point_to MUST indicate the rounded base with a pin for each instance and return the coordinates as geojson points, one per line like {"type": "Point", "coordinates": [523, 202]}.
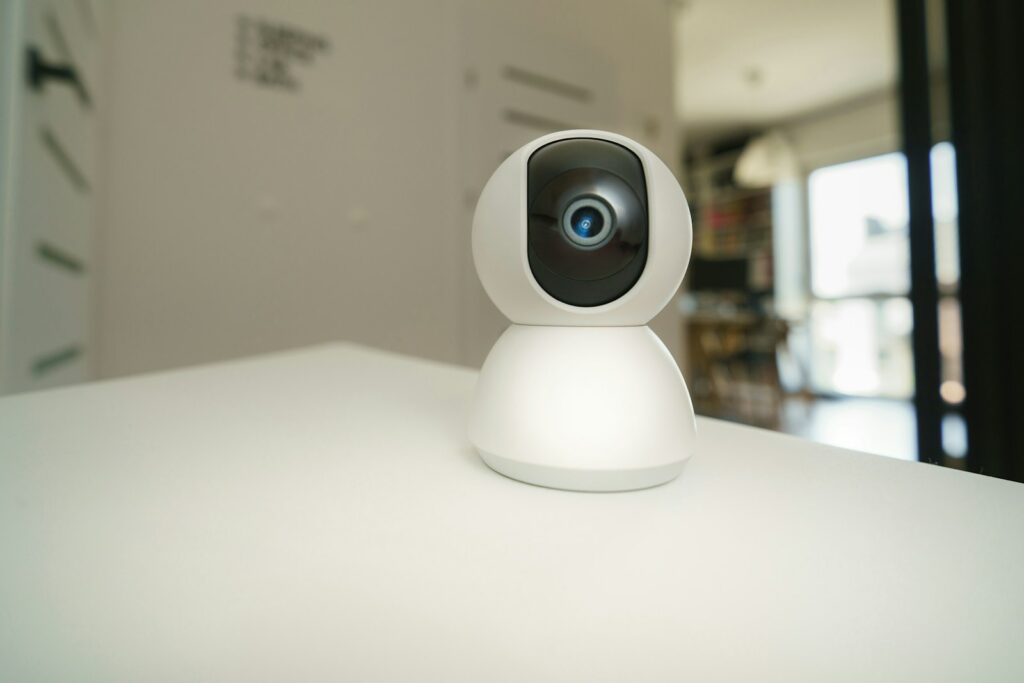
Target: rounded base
{"type": "Point", "coordinates": [580, 479]}
{"type": "Point", "coordinates": [582, 408]}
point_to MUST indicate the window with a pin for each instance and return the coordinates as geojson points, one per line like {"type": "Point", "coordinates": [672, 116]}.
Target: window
{"type": "Point", "coordinates": [945, 212]}
{"type": "Point", "coordinates": [861, 318]}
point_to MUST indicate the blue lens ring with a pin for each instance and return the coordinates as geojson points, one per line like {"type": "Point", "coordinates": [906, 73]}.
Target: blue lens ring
{"type": "Point", "coordinates": [587, 222]}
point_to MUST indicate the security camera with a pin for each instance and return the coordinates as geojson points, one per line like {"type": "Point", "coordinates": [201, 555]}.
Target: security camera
{"type": "Point", "coordinates": [580, 238]}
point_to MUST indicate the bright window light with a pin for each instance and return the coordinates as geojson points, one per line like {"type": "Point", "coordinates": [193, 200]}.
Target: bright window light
{"type": "Point", "coordinates": [945, 214]}
{"type": "Point", "coordinates": [861, 320]}
{"type": "Point", "coordinates": [858, 221]}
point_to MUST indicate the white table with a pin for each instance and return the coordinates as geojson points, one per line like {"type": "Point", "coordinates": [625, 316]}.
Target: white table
{"type": "Point", "coordinates": [318, 515]}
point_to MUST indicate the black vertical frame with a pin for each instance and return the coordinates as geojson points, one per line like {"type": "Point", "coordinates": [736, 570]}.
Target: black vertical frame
{"type": "Point", "coordinates": [915, 117]}
{"type": "Point", "coordinates": [986, 75]}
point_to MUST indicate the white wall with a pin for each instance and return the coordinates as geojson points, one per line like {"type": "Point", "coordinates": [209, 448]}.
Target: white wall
{"type": "Point", "coordinates": [853, 130]}
{"type": "Point", "coordinates": [860, 128]}
{"type": "Point", "coordinates": [48, 178]}
{"type": "Point", "coordinates": [239, 219]}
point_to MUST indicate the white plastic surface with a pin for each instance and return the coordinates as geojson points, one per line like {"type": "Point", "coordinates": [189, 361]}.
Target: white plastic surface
{"type": "Point", "coordinates": [499, 244]}
{"type": "Point", "coordinates": [320, 516]}
{"type": "Point", "coordinates": [584, 408]}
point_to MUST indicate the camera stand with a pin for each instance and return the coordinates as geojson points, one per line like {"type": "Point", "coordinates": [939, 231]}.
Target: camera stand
{"type": "Point", "coordinates": [583, 408]}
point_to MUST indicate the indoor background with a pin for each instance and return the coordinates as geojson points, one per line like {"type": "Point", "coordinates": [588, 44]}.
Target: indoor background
{"type": "Point", "coordinates": [188, 182]}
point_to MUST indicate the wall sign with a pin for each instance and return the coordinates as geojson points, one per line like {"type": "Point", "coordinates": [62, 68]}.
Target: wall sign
{"type": "Point", "coordinates": [271, 54]}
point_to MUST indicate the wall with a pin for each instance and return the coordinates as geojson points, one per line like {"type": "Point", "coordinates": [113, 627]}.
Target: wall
{"type": "Point", "coordinates": [240, 219]}
{"type": "Point", "coordinates": [859, 128]}
{"type": "Point", "coordinates": [853, 130]}
{"type": "Point", "coordinates": [48, 178]}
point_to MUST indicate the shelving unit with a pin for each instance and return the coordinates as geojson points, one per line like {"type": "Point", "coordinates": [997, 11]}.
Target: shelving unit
{"type": "Point", "coordinates": [732, 332]}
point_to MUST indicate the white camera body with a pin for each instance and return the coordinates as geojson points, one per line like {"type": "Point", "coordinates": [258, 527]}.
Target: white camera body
{"type": "Point", "coordinates": [580, 238]}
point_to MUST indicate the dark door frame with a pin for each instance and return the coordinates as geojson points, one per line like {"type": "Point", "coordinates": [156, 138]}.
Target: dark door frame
{"type": "Point", "coordinates": [915, 117]}
{"type": "Point", "coordinates": [986, 63]}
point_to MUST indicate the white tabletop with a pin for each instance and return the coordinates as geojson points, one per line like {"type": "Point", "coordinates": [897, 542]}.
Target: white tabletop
{"type": "Point", "coordinates": [319, 515]}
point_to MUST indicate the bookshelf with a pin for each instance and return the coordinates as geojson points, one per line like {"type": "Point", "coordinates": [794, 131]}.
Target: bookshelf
{"type": "Point", "coordinates": [733, 334]}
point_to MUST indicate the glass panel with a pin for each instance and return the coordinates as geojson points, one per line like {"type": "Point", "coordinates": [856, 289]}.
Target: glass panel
{"type": "Point", "coordinates": [945, 212]}
{"type": "Point", "coordinates": [951, 350]}
{"type": "Point", "coordinates": [862, 347]}
{"type": "Point", "coordinates": [858, 226]}
{"type": "Point", "coordinates": [954, 435]}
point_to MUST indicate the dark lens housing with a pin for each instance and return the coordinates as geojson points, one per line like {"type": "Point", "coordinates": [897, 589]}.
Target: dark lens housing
{"type": "Point", "coordinates": [564, 179]}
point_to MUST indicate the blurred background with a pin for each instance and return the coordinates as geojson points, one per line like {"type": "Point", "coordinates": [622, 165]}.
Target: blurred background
{"type": "Point", "coordinates": [186, 182]}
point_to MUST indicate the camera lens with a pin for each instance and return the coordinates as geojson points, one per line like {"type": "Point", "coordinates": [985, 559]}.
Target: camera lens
{"type": "Point", "coordinates": [587, 222]}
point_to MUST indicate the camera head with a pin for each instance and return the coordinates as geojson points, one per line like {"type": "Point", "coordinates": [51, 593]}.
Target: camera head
{"type": "Point", "coordinates": [581, 228]}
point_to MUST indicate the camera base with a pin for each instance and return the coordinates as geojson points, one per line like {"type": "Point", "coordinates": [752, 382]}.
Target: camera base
{"type": "Point", "coordinates": [581, 479]}
{"type": "Point", "coordinates": [582, 408]}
